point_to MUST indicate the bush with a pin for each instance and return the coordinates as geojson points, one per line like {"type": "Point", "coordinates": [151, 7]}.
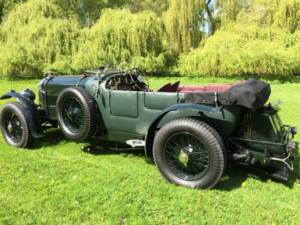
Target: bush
{"type": "Point", "coordinates": [257, 37]}
{"type": "Point", "coordinates": [121, 38]}
{"type": "Point", "coordinates": [35, 39]}
{"type": "Point", "coordinates": [227, 54]}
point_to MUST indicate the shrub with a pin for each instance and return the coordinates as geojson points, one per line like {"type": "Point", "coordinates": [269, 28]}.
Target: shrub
{"type": "Point", "coordinates": [36, 38]}
{"type": "Point", "coordinates": [121, 38]}
{"type": "Point", "coordinates": [227, 54]}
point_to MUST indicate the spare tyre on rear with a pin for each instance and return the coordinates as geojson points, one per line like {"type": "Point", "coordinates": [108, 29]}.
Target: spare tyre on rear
{"type": "Point", "coordinates": [76, 114]}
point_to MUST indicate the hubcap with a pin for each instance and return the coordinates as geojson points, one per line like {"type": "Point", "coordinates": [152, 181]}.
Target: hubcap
{"type": "Point", "coordinates": [186, 156]}
{"type": "Point", "coordinates": [183, 158]}
{"type": "Point", "coordinates": [9, 127]}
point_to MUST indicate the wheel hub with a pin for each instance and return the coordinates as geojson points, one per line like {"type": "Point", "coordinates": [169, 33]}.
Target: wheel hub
{"type": "Point", "coordinates": [10, 128]}
{"type": "Point", "coordinates": [186, 156]}
{"type": "Point", "coordinates": [183, 158]}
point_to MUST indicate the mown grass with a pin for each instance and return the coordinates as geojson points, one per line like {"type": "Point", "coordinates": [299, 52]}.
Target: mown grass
{"type": "Point", "coordinates": [58, 183]}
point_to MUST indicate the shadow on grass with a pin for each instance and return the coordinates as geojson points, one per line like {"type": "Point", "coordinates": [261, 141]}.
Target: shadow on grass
{"type": "Point", "coordinates": [51, 138]}
{"type": "Point", "coordinates": [235, 175]}
{"type": "Point", "coordinates": [296, 173]}
{"type": "Point", "coordinates": [107, 148]}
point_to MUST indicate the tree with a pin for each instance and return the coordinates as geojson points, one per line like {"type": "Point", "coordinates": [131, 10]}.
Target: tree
{"type": "Point", "coordinates": [1, 10]}
{"type": "Point", "coordinates": [123, 39]}
{"type": "Point", "coordinates": [279, 13]}
{"type": "Point", "coordinates": [183, 21]}
{"type": "Point", "coordinates": [288, 15]}
{"type": "Point", "coordinates": [36, 37]}
{"type": "Point", "coordinates": [89, 11]}
{"type": "Point", "coordinates": [157, 6]}
{"type": "Point", "coordinates": [210, 16]}
{"type": "Point", "coordinates": [260, 37]}
{"type": "Point", "coordinates": [6, 6]}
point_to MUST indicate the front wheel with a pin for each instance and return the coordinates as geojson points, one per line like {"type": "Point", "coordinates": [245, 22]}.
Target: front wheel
{"type": "Point", "coordinates": [189, 153]}
{"type": "Point", "coordinates": [14, 125]}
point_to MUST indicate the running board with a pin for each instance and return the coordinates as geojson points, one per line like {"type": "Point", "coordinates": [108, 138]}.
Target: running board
{"type": "Point", "coordinates": [136, 143]}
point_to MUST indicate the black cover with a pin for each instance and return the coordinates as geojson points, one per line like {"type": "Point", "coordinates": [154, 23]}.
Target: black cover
{"type": "Point", "coordinates": [251, 94]}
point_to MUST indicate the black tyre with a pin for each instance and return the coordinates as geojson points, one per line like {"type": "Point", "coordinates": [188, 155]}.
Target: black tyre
{"type": "Point", "coordinates": [76, 114]}
{"type": "Point", "coordinates": [189, 153]}
{"type": "Point", "coordinates": [14, 125]}
{"type": "Point", "coordinates": [220, 140]}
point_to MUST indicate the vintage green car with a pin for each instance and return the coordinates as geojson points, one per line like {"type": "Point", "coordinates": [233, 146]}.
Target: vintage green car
{"type": "Point", "coordinates": [191, 132]}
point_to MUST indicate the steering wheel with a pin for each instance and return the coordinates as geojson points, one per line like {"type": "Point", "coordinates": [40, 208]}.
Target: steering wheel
{"type": "Point", "coordinates": [138, 72]}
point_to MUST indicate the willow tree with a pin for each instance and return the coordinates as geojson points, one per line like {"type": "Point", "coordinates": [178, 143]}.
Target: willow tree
{"type": "Point", "coordinates": [157, 6]}
{"type": "Point", "coordinates": [122, 38]}
{"type": "Point", "coordinates": [7, 5]}
{"type": "Point", "coordinates": [260, 39]}
{"type": "Point", "coordinates": [284, 14]}
{"type": "Point", "coordinates": [228, 10]}
{"type": "Point", "coordinates": [231, 54]}
{"type": "Point", "coordinates": [183, 22]}
{"type": "Point", "coordinates": [36, 38]}
{"type": "Point", "coordinates": [1, 10]}
{"type": "Point", "coordinates": [288, 15]}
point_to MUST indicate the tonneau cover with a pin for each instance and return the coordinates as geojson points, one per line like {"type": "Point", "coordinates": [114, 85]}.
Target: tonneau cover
{"type": "Point", "coordinates": [251, 94]}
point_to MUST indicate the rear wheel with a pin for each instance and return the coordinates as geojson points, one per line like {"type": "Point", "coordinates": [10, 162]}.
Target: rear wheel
{"type": "Point", "coordinates": [14, 125]}
{"type": "Point", "coordinates": [189, 153]}
{"type": "Point", "coordinates": [76, 114]}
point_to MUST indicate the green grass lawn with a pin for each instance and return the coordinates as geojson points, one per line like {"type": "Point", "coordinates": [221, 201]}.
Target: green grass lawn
{"type": "Point", "coordinates": [57, 183]}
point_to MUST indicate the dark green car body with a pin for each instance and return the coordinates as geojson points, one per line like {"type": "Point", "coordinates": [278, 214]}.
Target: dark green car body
{"type": "Point", "coordinates": [252, 137]}
{"type": "Point", "coordinates": [130, 114]}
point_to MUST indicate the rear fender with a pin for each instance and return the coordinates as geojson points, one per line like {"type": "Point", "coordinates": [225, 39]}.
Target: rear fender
{"type": "Point", "coordinates": [32, 115]}
{"type": "Point", "coordinates": [184, 110]}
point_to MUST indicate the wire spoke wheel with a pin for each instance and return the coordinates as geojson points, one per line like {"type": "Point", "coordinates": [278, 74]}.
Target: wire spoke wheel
{"type": "Point", "coordinates": [13, 127]}
{"type": "Point", "coordinates": [186, 156]}
{"type": "Point", "coordinates": [72, 114]}
{"type": "Point", "coordinates": [190, 153]}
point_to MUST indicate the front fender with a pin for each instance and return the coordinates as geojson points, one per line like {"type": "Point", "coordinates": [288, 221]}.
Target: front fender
{"type": "Point", "coordinates": [32, 115]}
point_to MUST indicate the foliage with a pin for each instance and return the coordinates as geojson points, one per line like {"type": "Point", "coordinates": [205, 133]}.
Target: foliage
{"type": "Point", "coordinates": [289, 15]}
{"type": "Point", "coordinates": [36, 38]}
{"type": "Point", "coordinates": [182, 21]}
{"type": "Point", "coordinates": [73, 35]}
{"type": "Point", "coordinates": [121, 38]}
{"type": "Point", "coordinates": [157, 6]}
{"type": "Point", "coordinates": [254, 39]}
{"type": "Point", "coordinates": [248, 52]}
{"type": "Point", "coordinates": [229, 9]}
{"type": "Point", "coordinates": [88, 11]}
{"type": "Point", "coordinates": [7, 5]}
